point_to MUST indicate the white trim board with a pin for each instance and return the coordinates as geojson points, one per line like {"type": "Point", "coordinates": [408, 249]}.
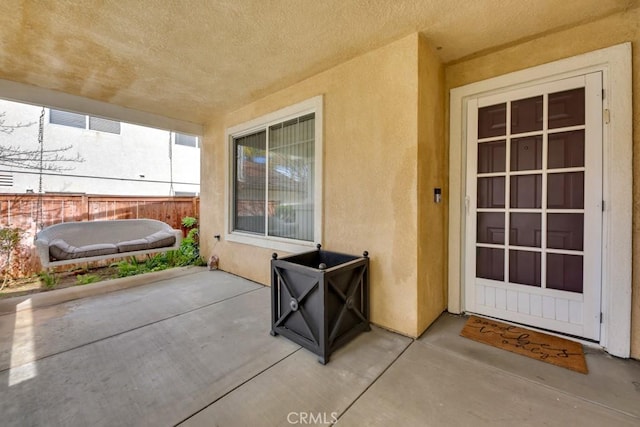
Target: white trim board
{"type": "Point", "coordinates": [615, 65]}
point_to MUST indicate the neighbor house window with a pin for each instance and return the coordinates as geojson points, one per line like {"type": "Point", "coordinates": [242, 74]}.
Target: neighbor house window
{"type": "Point", "coordinates": [104, 125]}
{"type": "Point", "coordinates": [65, 118]}
{"type": "Point", "coordinates": [188, 140]}
{"type": "Point", "coordinates": [275, 178]}
{"type": "Point", "coordinates": [82, 121]}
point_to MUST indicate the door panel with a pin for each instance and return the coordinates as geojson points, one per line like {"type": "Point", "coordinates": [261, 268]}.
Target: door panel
{"type": "Point", "coordinates": [541, 146]}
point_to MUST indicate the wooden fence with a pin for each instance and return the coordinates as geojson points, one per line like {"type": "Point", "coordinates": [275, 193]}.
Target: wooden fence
{"type": "Point", "coordinates": [30, 212]}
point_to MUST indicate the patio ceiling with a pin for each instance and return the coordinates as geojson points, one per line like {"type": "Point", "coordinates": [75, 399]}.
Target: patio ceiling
{"type": "Point", "coordinates": [193, 59]}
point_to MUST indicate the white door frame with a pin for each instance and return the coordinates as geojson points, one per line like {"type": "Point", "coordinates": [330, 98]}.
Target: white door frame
{"type": "Point", "coordinates": [615, 65]}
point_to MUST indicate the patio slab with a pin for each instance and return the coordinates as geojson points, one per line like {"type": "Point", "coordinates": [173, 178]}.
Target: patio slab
{"type": "Point", "coordinates": [196, 350]}
{"type": "Point", "coordinates": [298, 387]}
{"type": "Point", "coordinates": [430, 386]}
{"type": "Point", "coordinates": [157, 374]}
{"type": "Point", "coordinates": [29, 335]}
{"type": "Point", "coordinates": [612, 382]}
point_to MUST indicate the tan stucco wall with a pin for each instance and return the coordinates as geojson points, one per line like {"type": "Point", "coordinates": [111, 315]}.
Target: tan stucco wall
{"type": "Point", "coordinates": [612, 30]}
{"type": "Point", "coordinates": [432, 173]}
{"type": "Point", "coordinates": [370, 176]}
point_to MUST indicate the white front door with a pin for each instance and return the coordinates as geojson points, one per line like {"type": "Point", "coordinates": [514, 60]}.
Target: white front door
{"type": "Point", "coordinates": [534, 205]}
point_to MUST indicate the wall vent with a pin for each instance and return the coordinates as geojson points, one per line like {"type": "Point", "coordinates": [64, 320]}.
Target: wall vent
{"type": "Point", "coordinates": [6, 179]}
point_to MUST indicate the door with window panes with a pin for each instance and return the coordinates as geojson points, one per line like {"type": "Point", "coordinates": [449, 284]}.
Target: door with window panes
{"type": "Point", "coordinates": [534, 205]}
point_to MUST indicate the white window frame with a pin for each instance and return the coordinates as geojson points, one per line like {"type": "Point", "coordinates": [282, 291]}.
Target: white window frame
{"type": "Point", "coordinates": [615, 65]}
{"type": "Point", "coordinates": [312, 105]}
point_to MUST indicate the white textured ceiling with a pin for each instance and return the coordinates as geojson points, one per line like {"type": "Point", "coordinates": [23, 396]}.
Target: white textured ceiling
{"type": "Point", "coordinates": [192, 59]}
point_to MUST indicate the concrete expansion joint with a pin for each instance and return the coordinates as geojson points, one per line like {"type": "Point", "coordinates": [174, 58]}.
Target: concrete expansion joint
{"type": "Point", "coordinates": [375, 380]}
{"type": "Point", "coordinates": [242, 383]}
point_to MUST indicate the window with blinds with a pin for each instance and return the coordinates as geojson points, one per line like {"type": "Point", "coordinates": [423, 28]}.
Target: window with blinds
{"type": "Point", "coordinates": [66, 118]}
{"type": "Point", "coordinates": [104, 125]}
{"type": "Point", "coordinates": [274, 180]}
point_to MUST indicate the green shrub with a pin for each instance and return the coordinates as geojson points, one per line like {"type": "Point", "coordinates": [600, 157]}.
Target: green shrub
{"type": "Point", "coordinates": [48, 280]}
{"type": "Point", "coordinates": [189, 251]}
{"type": "Point", "coordinates": [189, 222]}
{"type": "Point", "coordinates": [172, 258]}
{"type": "Point", "coordinates": [187, 254]}
{"type": "Point", "coordinates": [128, 267]}
{"type": "Point", "coordinates": [156, 263]}
{"type": "Point", "coordinates": [85, 279]}
{"type": "Point", "coordinates": [9, 242]}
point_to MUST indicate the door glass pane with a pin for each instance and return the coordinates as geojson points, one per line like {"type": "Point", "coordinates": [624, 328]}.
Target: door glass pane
{"type": "Point", "coordinates": [566, 149]}
{"type": "Point", "coordinates": [526, 191]}
{"type": "Point", "coordinates": [565, 231]}
{"type": "Point", "coordinates": [565, 190]}
{"type": "Point", "coordinates": [566, 108]}
{"type": "Point", "coordinates": [524, 267]}
{"type": "Point", "coordinates": [564, 272]}
{"type": "Point", "coordinates": [492, 121]}
{"type": "Point", "coordinates": [491, 157]}
{"type": "Point", "coordinates": [491, 192]}
{"type": "Point", "coordinates": [490, 263]}
{"type": "Point", "coordinates": [526, 153]}
{"type": "Point", "coordinates": [490, 227]}
{"type": "Point", "coordinates": [526, 115]}
{"type": "Point", "coordinates": [525, 229]}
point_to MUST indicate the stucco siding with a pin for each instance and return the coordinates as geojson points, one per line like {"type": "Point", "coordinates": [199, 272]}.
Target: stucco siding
{"type": "Point", "coordinates": [432, 173]}
{"type": "Point", "coordinates": [370, 175]}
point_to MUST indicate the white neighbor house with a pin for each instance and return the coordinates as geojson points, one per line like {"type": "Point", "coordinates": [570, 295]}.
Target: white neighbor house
{"type": "Point", "coordinates": [119, 158]}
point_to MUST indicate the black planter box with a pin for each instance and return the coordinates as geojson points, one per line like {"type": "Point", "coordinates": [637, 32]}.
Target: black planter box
{"type": "Point", "coordinates": [320, 299]}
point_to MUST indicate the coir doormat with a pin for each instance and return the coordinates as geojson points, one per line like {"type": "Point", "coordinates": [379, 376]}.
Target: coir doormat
{"type": "Point", "coordinates": [547, 348]}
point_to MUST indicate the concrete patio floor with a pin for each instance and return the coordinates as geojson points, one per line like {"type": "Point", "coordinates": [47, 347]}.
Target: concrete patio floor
{"type": "Point", "coordinates": [195, 350]}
